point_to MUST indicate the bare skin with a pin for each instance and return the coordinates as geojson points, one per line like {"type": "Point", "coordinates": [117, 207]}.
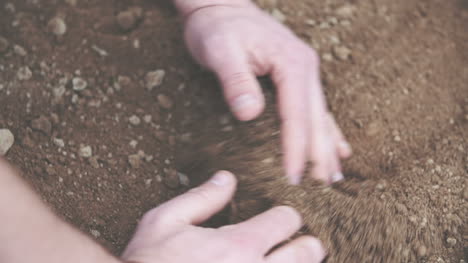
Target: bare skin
{"type": "Point", "coordinates": [238, 41]}
{"type": "Point", "coordinates": [29, 226]}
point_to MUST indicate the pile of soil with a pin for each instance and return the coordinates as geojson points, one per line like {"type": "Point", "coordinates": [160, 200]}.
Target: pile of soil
{"type": "Point", "coordinates": [108, 110]}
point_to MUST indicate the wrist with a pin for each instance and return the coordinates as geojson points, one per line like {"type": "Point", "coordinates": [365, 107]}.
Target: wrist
{"type": "Point", "coordinates": [186, 7]}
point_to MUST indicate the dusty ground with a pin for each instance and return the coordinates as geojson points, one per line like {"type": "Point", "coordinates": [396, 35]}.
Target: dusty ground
{"type": "Point", "coordinates": [395, 71]}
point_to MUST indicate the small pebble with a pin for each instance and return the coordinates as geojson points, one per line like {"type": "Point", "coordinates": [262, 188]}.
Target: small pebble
{"type": "Point", "coordinates": [24, 73]}
{"type": "Point", "coordinates": [79, 84]}
{"type": "Point", "coordinates": [327, 57]}
{"type": "Point", "coordinates": [422, 251]}
{"type": "Point", "coordinates": [184, 180]}
{"type": "Point", "coordinates": [85, 152]}
{"type": "Point", "coordinates": [42, 124]}
{"type": "Point", "coordinates": [154, 78]}
{"type": "Point", "coordinates": [278, 15]}
{"type": "Point", "coordinates": [134, 160]}
{"type": "Point", "coordinates": [4, 44]}
{"type": "Point", "coordinates": [127, 20]}
{"type": "Point", "coordinates": [57, 26]}
{"type": "Point", "coordinates": [95, 233]}
{"type": "Point", "coordinates": [172, 180]}
{"type": "Point", "coordinates": [59, 142]}
{"type": "Point", "coordinates": [6, 141]}
{"type": "Point", "coordinates": [19, 50]}
{"type": "Point", "coordinates": [451, 241]}
{"type": "Point", "coordinates": [343, 53]}
{"type": "Point", "coordinates": [165, 102]}
{"type": "Point", "coordinates": [147, 118]}
{"type": "Point", "coordinates": [346, 11]}
{"type": "Point", "coordinates": [134, 120]}
{"type": "Point", "coordinates": [93, 161]}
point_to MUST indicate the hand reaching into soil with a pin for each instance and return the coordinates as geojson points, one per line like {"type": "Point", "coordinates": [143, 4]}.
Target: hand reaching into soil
{"type": "Point", "coordinates": [168, 233]}
{"type": "Point", "coordinates": [238, 41]}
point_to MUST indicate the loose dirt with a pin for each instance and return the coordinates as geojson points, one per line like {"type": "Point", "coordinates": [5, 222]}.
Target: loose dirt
{"type": "Point", "coordinates": [111, 117]}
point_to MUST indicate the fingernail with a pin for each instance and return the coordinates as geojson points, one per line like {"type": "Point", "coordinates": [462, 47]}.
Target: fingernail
{"type": "Point", "coordinates": [294, 180]}
{"type": "Point", "coordinates": [244, 101]}
{"type": "Point", "coordinates": [336, 177]}
{"type": "Point", "coordinates": [221, 178]}
{"type": "Point", "coordinates": [345, 145]}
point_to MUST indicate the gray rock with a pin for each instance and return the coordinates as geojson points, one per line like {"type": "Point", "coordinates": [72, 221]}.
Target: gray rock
{"type": "Point", "coordinates": [6, 141]}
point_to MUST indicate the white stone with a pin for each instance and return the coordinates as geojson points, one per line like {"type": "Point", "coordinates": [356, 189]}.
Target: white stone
{"type": "Point", "coordinates": [154, 78]}
{"type": "Point", "coordinates": [86, 151]}
{"type": "Point", "coordinates": [79, 84]}
{"type": "Point", "coordinates": [6, 141]}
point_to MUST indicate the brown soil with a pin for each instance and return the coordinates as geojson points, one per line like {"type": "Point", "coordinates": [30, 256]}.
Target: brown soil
{"type": "Point", "coordinates": [400, 98]}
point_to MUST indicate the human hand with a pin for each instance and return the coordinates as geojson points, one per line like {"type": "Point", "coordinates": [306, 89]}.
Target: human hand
{"type": "Point", "coordinates": [238, 41]}
{"type": "Point", "coordinates": [168, 233]}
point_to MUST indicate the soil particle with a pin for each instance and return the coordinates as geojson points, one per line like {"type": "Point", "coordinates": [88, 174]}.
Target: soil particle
{"type": "Point", "coordinates": [183, 179]}
{"type": "Point", "coordinates": [6, 141]}
{"type": "Point", "coordinates": [4, 44]}
{"type": "Point", "coordinates": [165, 101]}
{"type": "Point", "coordinates": [57, 26]}
{"type": "Point", "coordinates": [134, 120]}
{"type": "Point", "coordinates": [127, 20]}
{"type": "Point", "coordinates": [94, 162]}
{"type": "Point", "coordinates": [42, 124]}
{"type": "Point", "coordinates": [422, 251]}
{"type": "Point", "coordinates": [24, 73]}
{"type": "Point", "coordinates": [451, 242]}
{"type": "Point", "coordinates": [134, 160]}
{"type": "Point", "coordinates": [20, 51]}
{"type": "Point", "coordinates": [341, 52]}
{"type": "Point", "coordinates": [59, 142]}
{"type": "Point", "coordinates": [154, 78]}
{"type": "Point", "coordinates": [346, 11]}
{"type": "Point", "coordinates": [79, 84]}
{"type": "Point", "coordinates": [171, 179]}
{"type": "Point", "coordinates": [85, 151]}
{"type": "Point", "coordinates": [95, 233]}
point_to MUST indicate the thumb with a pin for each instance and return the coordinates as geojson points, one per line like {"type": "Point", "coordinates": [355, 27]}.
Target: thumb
{"type": "Point", "coordinates": [198, 204]}
{"type": "Point", "coordinates": [241, 88]}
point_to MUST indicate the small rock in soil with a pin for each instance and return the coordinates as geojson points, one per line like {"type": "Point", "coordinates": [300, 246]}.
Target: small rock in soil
{"type": "Point", "coordinates": [327, 57]}
{"type": "Point", "coordinates": [42, 124]}
{"type": "Point", "coordinates": [57, 26]}
{"type": "Point", "coordinates": [6, 141]}
{"type": "Point", "coordinates": [165, 102]}
{"type": "Point", "coordinates": [24, 73]}
{"type": "Point", "coordinates": [19, 50]}
{"type": "Point", "coordinates": [154, 78]}
{"type": "Point", "coordinates": [422, 251]}
{"type": "Point", "coordinates": [172, 180]}
{"type": "Point", "coordinates": [127, 20]}
{"type": "Point", "coordinates": [346, 11]}
{"type": "Point", "coordinates": [183, 179]}
{"type": "Point", "coordinates": [4, 44]}
{"type": "Point", "coordinates": [95, 233]}
{"type": "Point", "coordinates": [451, 242]}
{"type": "Point", "coordinates": [79, 84]}
{"type": "Point", "coordinates": [134, 160]}
{"type": "Point", "coordinates": [134, 120]}
{"type": "Point", "coordinates": [85, 151]}
{"type": "Point", "coordinates": [278, 15]}
{"type": "Point", "coordinates": [342, 53]}
{"type": "Point", "coordinates": [59, 142]}
{"type": "Point", "coordinates": [93, 161]}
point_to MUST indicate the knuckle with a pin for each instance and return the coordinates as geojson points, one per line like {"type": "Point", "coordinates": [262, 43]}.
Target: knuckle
{"type": "Point", "coordinates": [237, 79]}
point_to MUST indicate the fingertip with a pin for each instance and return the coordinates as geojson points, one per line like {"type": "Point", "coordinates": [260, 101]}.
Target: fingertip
{"type": "Point", "coordinates": [223, 178]}
{"type": "Point", "coordinates": [247, 107]}
{"type": "Point", "coordinates": [315, 247]}
{"type": "Point", "coordinates": [344, 150]}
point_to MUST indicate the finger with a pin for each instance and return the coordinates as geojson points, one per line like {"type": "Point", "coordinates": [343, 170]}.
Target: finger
{"type": "Point", "coordinates": [302, 250]}
{"type": "Point", "coordinates": [321, 150]}
{"type": "Point", "coordinates": [342, 146]}
{"type": "Point", "coordinates": [271, 227]}
{"type": "Point", "coordinates": [241, 88]}
{"type": "Point", "coordinates": [198, 204]}
{"type": "Point", "coordinates": [291, 81]}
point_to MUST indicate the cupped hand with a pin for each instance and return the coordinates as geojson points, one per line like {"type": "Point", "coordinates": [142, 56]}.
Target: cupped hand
{"type": "Point", "coordinates": [168, 233]}
{"type": "Point", "coordinates": [238, 41]}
